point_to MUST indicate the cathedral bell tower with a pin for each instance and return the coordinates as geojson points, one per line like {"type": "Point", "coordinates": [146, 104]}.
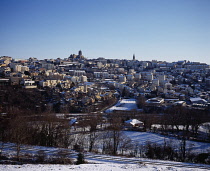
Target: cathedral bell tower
{"type": "Point", "coordinates": [134, 58]}
{"type": "Point", "coordinates": [80, 53]}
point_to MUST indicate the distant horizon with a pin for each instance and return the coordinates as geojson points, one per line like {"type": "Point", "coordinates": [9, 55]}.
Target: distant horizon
{"type": "Point", "coordinates": [160, 30]}
{"type": "Point", "coordinates": [107, 59]}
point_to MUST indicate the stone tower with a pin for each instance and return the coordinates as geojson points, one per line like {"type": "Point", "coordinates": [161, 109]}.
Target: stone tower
{"type": "Point", "coordinates": [80, 53]}
{"type": "Point", "coordinates": [134, 58]}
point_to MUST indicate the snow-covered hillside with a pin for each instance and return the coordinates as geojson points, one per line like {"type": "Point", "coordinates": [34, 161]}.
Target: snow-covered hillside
{"type": "Point", "coordinates": [143, 137]}
{"type": "Point", "coordinates": [95, 167]}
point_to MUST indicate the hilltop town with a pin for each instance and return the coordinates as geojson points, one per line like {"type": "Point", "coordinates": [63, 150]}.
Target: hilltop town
{"type": "Point", "coordinates": [77, 84]}
{"type": "Point", "coordinates": [99, 105]}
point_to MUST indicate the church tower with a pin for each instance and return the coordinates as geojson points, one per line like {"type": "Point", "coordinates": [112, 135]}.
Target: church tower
{"type": "Point", "coordinates": [80, 53]}
{"type": "Point", "coordinates": [134, 58]}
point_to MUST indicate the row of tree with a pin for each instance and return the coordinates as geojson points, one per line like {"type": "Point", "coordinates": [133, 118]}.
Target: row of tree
{"type": "Point", "coordinates": [93, 133]}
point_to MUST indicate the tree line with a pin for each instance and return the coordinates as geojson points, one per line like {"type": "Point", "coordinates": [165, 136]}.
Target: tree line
{"type": "Point", "coordinates": [23, 124]}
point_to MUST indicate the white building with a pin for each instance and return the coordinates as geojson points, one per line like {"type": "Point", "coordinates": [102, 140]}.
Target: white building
{"type": "Point", "coordinates": [155, 101]}
{"type": "Point", "coordinates": [83, 78]}
{"type": "Point", "coordinates": [155, 82]}
{"type": "Point", "coordinates": [75, 79]}
{"type": "Point", "coordinates": [131, 71]}
{"type": "Point", "coordinates": [122, 78]}
{"type": "Point", "coordinates": [208, 81]}
{"type": "Point", "coordinates": [149, 77]}
{"type": "Point", "coordinates": [134, 123]}
{"type": "Point", "coordinates": [121, 70]}
{"type": "Point", "coordinates": [162, 78]}
{"type": "Point", "coordinates": [28, 83]}
{"type": "Point", "coordinates": [145, 64]}
{"type": "Point", "coordinates": [77, 72]}
{"type": "Point", "coordinates": [137, 76]}
{"type": "Point", "coordinates": [49, 83]}
{"type": "Point", "coordinates": [99, 65]}
{"type": "Point", "coordinates": [130, 77]}
{"type": "Point", "coordinates": [168, 86]}
{"type": "Point", "coordinates": [24, 68]}
{"type": "Point", "coordinates": [15, 67]}
{"type": "Point", "coordinates": [48, 66]}
{"type": "Point", "coordinates": [97, 74]}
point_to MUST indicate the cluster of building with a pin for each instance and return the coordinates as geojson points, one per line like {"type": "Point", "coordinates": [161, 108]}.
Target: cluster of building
{"type": "Point", "coordinates": [161, 82]}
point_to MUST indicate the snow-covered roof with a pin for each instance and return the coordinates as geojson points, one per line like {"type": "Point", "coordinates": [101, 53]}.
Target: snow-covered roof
{"type": "Point", "coordinates": [155, 100]}
{"type": "Point", "coordinates": [73, 121]}
{"type": "Point", "coordinates": [197, 99]}
{"type": "Point", "coordinates": [133, 121]}
{"type": "Point", "coordinates": [124, 104]}
{"type": "Point", "coordinates": [180, 102]}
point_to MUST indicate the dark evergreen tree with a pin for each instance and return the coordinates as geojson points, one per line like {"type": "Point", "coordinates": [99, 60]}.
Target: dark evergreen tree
{"type": "Point", "coordinates": [80, 158]}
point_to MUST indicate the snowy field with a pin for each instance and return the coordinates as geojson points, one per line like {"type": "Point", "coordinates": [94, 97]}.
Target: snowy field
{"type": "Point", "coordinates": [140, 138]}
{"type": "Point", "coordinates": [143, 137]}
{"type": "Point", "coordinates": [99, 162]}
{"type": "Point", "coordinates": [124, 104]}
{"type": "Point", "coordinates": [95, 167]}
{"type": "Point", "coordinates": [111, 163]}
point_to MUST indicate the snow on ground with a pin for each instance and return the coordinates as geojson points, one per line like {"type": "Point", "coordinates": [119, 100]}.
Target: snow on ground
{"type": "Point", "coordinates": [205, 128]}
{"type": "Point", "coordinates": [124, 104]}
{"type": "Point", "coordinates": [202, 129]}
{"type": "Point", "coordinates": [105, 162]}
{"type": "Point", "coordinates": [94, 167]}
{"type": "Point", "coordinates": [143, 137]}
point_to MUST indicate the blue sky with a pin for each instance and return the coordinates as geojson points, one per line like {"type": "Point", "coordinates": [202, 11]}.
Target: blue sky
{"type": "Point", "coordinates": [167, 30]}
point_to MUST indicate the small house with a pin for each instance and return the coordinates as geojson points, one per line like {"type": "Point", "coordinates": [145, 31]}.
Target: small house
{"type": "Point", "coordinates": [134, 123]}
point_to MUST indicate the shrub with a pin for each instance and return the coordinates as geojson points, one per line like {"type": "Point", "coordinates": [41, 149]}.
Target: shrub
{"type": "Point", "coordinates": [80, 158]}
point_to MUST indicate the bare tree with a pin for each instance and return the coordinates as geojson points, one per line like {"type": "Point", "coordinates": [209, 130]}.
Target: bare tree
{"type": "Point", "coordinates": [93, 137]}
{"type": "Point", "coordinates": [125, 144]}
{"type": "Point", "coordinates": [19, 133]}
{"type": "Point", "coordinates": [183, 149]}
{"type": "Point", "coordinates": [3, 132]}
{"type": "Point", "coordinates": [115, 134]}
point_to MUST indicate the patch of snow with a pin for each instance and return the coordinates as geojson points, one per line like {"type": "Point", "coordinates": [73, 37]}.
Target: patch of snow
{"type": "Point", "coordinates": [94, 167]}
{"type": "Point", "coordinates": [133, 121]}
{"type": "Point", "coordinates": [124, 104]}
{"type": "Point", "coordinates": [143, 137]}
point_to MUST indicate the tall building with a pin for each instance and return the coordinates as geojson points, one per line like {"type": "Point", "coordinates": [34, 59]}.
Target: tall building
{"type": "Point", "coordinates": [74, 57]}
{"type": "Point", "coordinates": [134, 58]}
{"type": "Point", "coordinates": [80, 53]}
